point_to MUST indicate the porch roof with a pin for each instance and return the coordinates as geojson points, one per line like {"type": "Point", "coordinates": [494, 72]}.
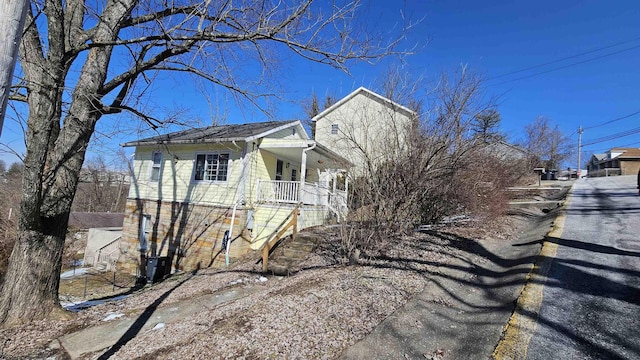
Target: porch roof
{"type": "Point", "coordinates": [318, 157]}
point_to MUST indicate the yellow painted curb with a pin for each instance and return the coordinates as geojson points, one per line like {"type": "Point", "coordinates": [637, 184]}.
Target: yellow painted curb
{"type": "Point", "coordinates": [521, 326]}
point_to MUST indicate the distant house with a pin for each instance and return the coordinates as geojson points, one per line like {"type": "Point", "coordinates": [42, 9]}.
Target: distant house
{"type": "Point", "coordinates": [366, 128]}
{"type": "Point", "coordinates": [103, 176]}
{"type": "Point", "coordinates": [102, 233]}
{"type": "Point", "coordinates": [504, 151]}
{"type": "Point", "coordinates": [617, 161]}
{"type": "Point", "coordinates": [191, 187]}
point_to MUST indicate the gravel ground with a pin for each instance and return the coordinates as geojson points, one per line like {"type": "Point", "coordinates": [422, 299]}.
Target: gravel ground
{"type": "Point", "coordinates": [316, 313]}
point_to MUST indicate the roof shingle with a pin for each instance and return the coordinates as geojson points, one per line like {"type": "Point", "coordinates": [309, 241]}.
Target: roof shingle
{"type": "Point", "coordinates": [233, 132]}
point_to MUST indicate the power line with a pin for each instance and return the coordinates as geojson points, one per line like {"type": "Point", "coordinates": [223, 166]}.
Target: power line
{"type": "Point", "coordinates": [601, 150]}
{"type": "Point", "coordinates": [614, 120]}
{"type": "Point", "coordinates": [569, 65]}
{"type": "Point", "coordinates": [564, 58]}
{"type": "Point", "coordinates": [612, 136]}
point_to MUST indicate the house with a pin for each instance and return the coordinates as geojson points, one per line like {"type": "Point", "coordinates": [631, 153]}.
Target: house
{"type": "Point", "coordinates": [200, 197]}
{"type": "Point", "coordinates": [366, 128]}
{"type": "Point", "coordinates": [617, 161]}
{"type": "Point", "coordinates": [99, 235]}
{"type": "Point", "coordinates": [504, 151]}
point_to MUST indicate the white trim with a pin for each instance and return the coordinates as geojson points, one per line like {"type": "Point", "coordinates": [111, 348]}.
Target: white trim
{"type": "Point", "coordinates": [265, 145]}
{"type": "Point", "coordinates": [241, 190]}
{"type": "Point", "coordinates": [282, 173]}
{"type": "Point", "coordinates": [279, 128]}
{"type": "Point", "coordinates": [153, 166]}
{"type": "Point", "coordinates": [195, 161]}
{"type": "Point", "coordinates": [357, 91]}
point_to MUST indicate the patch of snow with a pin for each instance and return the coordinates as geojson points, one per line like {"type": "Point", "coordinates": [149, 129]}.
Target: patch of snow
{"type": "Point", "coordinates": [76, 306]}
{"type": "Point", "coordinates": [239, 281]}
{"type": "Point", "coordinates": [71, 273]}
{"type": "Point", "coordinates": [112, 317]}
{"type": "Point", "coordinates": [262, 279]}
{"type": "Point", "coordinates": [158, 326]}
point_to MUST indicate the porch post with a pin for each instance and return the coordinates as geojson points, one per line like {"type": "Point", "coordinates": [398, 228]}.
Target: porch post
{"type": "Point", "coordinates": [303, 170]}
{"type": "Point", "coordinates": [346, 187]}
{"type": "Point", "coordinates": [303, 174]}
{"type": "Point", "coordinates": [334, 177]}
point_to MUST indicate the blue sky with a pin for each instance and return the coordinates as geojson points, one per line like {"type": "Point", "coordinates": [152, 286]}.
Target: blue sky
{"type": "Point", "coordinates": [495, 39]}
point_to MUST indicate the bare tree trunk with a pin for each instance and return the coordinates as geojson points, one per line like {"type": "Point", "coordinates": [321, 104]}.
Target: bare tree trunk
{"type": "Point", "coordinates": [12, 15]}
{"type": "Point", "coordinates": [152, 38]}
{"type": "Point", "coordinates": [30, 289]}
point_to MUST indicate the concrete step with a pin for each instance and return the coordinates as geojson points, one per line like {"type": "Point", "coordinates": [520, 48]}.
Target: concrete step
{"type": "Point", "coordinates": [303, 246]}
{"type": "Point", "coordinates": [306, 238]}
{"type": "Point", "coordinates": [295, 254]}
{"type": "Point", "coordinates": [100, 267]}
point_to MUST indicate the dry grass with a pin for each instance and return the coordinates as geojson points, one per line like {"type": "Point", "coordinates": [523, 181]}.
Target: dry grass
{"type": "Point", "coordinates": [95, 285]}
{"type": "Point", "coordinates": [317, 313]}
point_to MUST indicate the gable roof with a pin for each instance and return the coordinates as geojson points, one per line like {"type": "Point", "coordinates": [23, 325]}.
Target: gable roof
{"type": "Point", "coordinates": [503, 149]}
{"type": "Point", "coordinates": [368, 93]}
{"type": "Point", "coordinates": [627, 153]}
{"type": "Point", "coordinates": [220, 133]}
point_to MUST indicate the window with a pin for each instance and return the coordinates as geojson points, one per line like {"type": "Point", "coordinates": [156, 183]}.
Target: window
{"type": "Point", "coordinates": [155, 167]}
{"type": "Point", "coordinates": [334, 129]}
{"type": "Point", "coordinates": [279, 166]}
{"type": "Point", "coordinates": [211, 167]}
{"type": "Point", "coordinates": [294, 174]}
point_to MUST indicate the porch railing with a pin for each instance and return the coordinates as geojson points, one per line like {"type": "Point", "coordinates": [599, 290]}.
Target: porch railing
{"type": "Point", "coordinates": [289, 192]}
{"type": "Point", "coordinates": [107, 255]}
{"type": "Point", "coordinates": [315, 194]}
{"type": "Point", "coordinates": [605, 172]}
{"type": "Point", "coordinates": [278, 191]}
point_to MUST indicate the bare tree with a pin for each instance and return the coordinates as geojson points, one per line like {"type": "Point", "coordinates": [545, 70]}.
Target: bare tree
{"type": "Point", "coordinates": [546, 143]}
{"type": "Point", "coordinates": [9, 203]}
{"type": "Point", "coordinates": [100, 188]}
{"type": "Point", "coordinates": [84, 60]}
{"type": "Point", "coordinates": [422, 170]}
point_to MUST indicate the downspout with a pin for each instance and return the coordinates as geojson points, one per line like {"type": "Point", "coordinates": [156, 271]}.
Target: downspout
{"type": "Point", "coordinates": [303, 170]}
{"type": "Point", "coordinates": [241, 200]}
{"type": "Point", "coordinates": [233, 219]}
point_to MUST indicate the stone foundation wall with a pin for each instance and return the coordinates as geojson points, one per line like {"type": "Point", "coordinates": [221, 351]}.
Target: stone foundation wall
{"type": "Point", "coordinates": [189, 235]}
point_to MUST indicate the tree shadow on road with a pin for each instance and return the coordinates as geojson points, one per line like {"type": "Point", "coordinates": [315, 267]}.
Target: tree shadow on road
{"type": "Point", "coordinates": [493, 276]}
{"type": "Point", "coordinates": [576, 244]}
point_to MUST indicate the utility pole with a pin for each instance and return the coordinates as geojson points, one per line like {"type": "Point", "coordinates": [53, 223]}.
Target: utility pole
{"type": "Point", "coordinates": [580, 131]}
{"type": "Point", "coordinates": [12, 16]}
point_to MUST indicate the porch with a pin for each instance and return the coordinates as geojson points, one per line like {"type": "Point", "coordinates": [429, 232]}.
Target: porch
{"type": "Point", "coordinates": [294, 192]}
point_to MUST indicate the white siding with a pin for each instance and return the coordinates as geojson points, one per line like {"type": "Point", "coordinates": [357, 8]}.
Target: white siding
{"type": "Point", "coordinates": [369, 130]}
{"type": "Point", "coordinates": [176, 179]}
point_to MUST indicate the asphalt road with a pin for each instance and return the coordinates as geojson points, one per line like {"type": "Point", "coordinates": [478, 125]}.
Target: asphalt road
{"type": "Point", "coordinates": [591, 298]}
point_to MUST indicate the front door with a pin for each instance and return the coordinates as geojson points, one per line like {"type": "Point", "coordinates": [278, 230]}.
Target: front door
{"type": "Point", "coordinates": [279, 169]}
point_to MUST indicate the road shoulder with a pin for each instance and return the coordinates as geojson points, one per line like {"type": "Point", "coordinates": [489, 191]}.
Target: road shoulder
{"type": "Point", "coordinates": [462, 313]}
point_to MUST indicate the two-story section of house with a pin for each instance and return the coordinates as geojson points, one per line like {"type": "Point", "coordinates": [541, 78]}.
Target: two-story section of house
{"type": "Point", "coordinates": [365, 128]}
